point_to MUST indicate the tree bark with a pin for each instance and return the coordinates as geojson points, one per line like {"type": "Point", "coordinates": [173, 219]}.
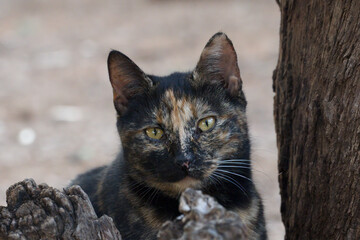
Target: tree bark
{"type": "Point", "coordinates": [317, 118]}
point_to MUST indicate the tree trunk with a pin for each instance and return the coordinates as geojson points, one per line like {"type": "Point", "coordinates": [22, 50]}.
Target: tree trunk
{"type": "Point", "coordinates": [317, 118]}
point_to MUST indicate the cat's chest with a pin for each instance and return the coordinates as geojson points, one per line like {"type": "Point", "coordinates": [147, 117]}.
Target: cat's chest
{"type": "Point", "coordinates": [151, 209]}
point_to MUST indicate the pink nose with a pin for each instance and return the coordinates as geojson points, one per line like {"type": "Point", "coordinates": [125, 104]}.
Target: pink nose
{"type": "Point", "coordinates": [186, 164]}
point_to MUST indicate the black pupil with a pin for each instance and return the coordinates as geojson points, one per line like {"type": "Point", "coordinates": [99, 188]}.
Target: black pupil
{"type": "Point", "coordinates": [206, 122]}
{"type": "Point", "coordinates": [155, 132]}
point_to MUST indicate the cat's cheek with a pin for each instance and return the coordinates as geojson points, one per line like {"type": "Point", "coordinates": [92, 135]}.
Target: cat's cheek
{"type": "Point", "coordinates": [223, 136]}
{"type": "Point", "coordinates": [142, 150]}
{"type": "Point", "coordinates": [207, 150]}
{"type": "Point", "coordinates": [149, 147]}
{"type": "Point", "coordinates": [231, 149]}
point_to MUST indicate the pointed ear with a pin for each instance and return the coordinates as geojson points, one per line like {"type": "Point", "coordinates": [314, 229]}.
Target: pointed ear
{"type": "Point", "coordinates": [127, 80]}
{"type": "Point", "coordinates": [218, 64]}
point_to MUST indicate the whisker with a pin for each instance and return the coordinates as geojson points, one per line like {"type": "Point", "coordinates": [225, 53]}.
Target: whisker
{"type": "Point", "coordinates": [239, 175]}
{"type": "Point", "coordinates": [135, 187]}
{"type": "Point", "coordinates": [237, 163]}
{"type": "Point", "coordinates": [231, 180]}
{"type": "Point", "coordinates": [238, 159]}
{"type": "Point", "coordinates": [214, 179]}
{"type": "Point", "coordinates": [235, 160]}
{"type": "Point", "coordinates": [244, 167]}
{"type": "Point", "coordinates": [219, 175]}
{"type": "Point", "coordinates": [134, 183]}
{"type": "Point", "coordinates": [146, 193]}
{"type": "Point", "coordinates": [233, 166]}
{"type": "Point", "coordinates": [229, 160]}
{"type": "Point", "coordinates": [153, 195]}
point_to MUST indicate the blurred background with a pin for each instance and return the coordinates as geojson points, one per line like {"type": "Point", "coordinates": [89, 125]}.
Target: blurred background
{"type": "Point", "coordinates": [56, 113]}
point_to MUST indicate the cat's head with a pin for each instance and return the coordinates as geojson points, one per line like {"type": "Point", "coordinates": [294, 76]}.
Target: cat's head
{"type": "Point", "coordinates": [176, 130]}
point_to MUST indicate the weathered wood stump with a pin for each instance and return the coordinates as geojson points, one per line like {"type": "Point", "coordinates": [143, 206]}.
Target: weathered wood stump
{"type": "Point", "coordinates": [42, 212]}
{"type": "Point", "coordinates": [203, 218]}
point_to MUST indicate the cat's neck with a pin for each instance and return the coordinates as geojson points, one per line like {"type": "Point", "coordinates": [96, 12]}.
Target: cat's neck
{"type": "Point", "coordinates": [228, 194]}
{"type": "Point", "coordinates": [154, 198]}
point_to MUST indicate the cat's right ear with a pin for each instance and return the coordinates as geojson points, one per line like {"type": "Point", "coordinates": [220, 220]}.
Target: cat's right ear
{"type": "Point", "coordinates": [127, 80]}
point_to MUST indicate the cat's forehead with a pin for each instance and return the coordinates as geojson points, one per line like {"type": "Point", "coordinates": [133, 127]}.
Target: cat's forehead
{"type": "Point", "coordinates": [177, 108]}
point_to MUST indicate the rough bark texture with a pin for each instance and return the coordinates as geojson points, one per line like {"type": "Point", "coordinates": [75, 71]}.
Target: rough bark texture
{"type": "Point", "coordinates": [203, 219]}
{"type": "Point", "coordinates": [42, 212]}
{"type": "Point", "coordinates": [317, 118]}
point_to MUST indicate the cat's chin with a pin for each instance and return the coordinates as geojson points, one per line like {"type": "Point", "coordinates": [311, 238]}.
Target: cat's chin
{"type": "Point", "coordinates": [187, 182]}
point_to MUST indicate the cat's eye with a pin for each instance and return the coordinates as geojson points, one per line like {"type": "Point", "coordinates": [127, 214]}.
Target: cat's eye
{"type": "Point", "coordinates": [206, 124]}
{"type": "Point", "coordinates": [155, 133]}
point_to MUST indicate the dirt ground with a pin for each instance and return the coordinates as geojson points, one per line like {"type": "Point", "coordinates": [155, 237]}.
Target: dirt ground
{"type": "Point", "coordinates": [56, 112]}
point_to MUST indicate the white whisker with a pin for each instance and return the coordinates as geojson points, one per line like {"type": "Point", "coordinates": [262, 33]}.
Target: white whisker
{"type": "Point", "coordinates": [229, 160]}
{"type": "Point", "coordinates": [235, 160]}
{"type": "Point", "coordinates": [239, 175]}
{"type": "Point", "coordinates": [231, 180]}
{"type": "Point", "coordinates": [234, 166]}
{"type": "Point", "coordinates": [214, 179]}
{"type": "Point", "coordinates": [237, 163]}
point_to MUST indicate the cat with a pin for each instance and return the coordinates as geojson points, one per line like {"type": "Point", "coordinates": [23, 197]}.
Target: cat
{"type": "Point", "coordinates": [178, 131]}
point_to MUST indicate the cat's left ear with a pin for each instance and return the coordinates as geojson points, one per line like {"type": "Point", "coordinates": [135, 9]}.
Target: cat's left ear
{"type": "Point", "coordinates": [218, 64]}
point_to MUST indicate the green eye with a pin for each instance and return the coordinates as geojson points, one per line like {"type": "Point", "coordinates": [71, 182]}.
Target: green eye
{"type": "Point", "coordinates": [155, 133]}
{"type": "Point", "coordinates": [206, 124]}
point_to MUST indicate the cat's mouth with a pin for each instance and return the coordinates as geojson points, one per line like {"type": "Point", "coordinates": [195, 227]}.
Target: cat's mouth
{"type": "Point", "coordinates": [174, 189]}
{"type": "Point", "coordinates": [187, 182]}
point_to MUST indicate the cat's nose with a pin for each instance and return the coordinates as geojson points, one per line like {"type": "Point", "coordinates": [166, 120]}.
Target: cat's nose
{"type": "Point", "coordinates": [183, 163]}
{"type": "Point", "coordinates": [186, 164]}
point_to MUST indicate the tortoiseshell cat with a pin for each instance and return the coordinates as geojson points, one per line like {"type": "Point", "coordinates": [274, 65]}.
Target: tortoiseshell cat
{"type": "Point", "coordinates": [179, 131]}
